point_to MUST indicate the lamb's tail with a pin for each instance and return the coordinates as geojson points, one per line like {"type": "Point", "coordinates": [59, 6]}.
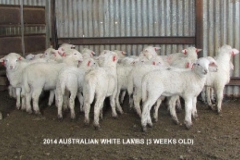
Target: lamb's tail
{"type": "Point", "coordinates": [144, 89]}
{"type": "Point", "coordinates": [89, 90]}
{"type": "Point", "coordinates": [130, 84]}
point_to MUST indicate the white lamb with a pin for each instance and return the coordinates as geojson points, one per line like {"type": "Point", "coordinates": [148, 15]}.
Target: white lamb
{"type": "Point", "coordinates": [135, 79]}
{"type": "Point", "coordinates": [43, 76]}
{"type": "Point", "coordinates": [101, 83]}
{"type": "Point", "coordinates": [15, 65]}
{"type": "Point", "coordinates": [175, 82]}
{"type": "Point", "coordinates": [219, 79]}
{"type": "Point", "coordinates": [71, 79]}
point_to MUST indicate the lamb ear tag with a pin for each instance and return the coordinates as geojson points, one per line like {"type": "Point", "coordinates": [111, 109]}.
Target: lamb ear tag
{"type": "Point", "coordinates": [185, 51]}
{"type": "Point", "coordinates": [19, 58]}
{"type": "Point", "coordinates": [89, 62]}
{"type": "Point", "coordinates": [188, 65]}
{"type": "Point", "coordinates": [196, 50]}
{"type": "Point", "coordinates": [154, 63]}
{"type": "Point", "coordinates": [114, 58]}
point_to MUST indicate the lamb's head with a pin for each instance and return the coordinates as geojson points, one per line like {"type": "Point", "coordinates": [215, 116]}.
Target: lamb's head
{"type": "Point", "coordinates": [88, 63]}
{"type": "Point", "coordinates": [227, 50]}
{"type": "Point", "coordinates": [11, 61]}
{"type": "Point", "coordinates": [121, 54]}
{"type": "Point", "coordinates": [49, 53]}
{"type": "Point", "coordinates": [150, 52]}
{"type": "Point", "coordinates": [75, 56]}
{"type": "Point", "coordinates": [158, 61]}
{"type": "Point", "coordinates": [108, 58]}
{"type": "Point", "coordinates": [191, 52]}
{"type": "Point", "coordinates": [64, 47]}
{"type": "Point", "coordinates": [87, 53]}
{"type": "Point", "coordinates": [205, 64]}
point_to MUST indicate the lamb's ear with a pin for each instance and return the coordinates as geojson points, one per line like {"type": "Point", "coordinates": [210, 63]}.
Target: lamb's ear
{"type": "Point", "coordinates": [234, 51]}
{"type": "Point", "coordinates": [198, 50]}
{"type": "Point", "coordinates": [157, 48]}
{"type": "Point", "coordinates": [184, 51]}
{"type": "Point", "coordinates": [213, 67]}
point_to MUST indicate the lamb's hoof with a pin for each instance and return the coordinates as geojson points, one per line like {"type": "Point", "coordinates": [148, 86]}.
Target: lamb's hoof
{"type": "Point", "coordinates": [115, 116]}
{"type": "Point", "coordinates": [195, 116]}
{"type": "Point", "coordinates": [188, 125]}
{"type": "Point", "coordinates": [121, 112]}
{"type": "Point", "coordinates": [150, 125]}
{"type": "Point", "coordinates": [212, 107]}
{"type": "Point", "coordinates": [73, 117]}
{"type": "Point", "coordinates": [176, 121]}
{"type": "Point", "coordinates": [18, 107]}
{"type": "Point", "coordinates": [60, 118]}
{"type": "Point", "coordinates": [219, 112]}
{"type": "Point", "coordinates": [155, 120]}
{"type": "Point", "coordinates": [144, 128]}
{"type": "Point", "coordinates": [86, 122]}
{"type": "Point", "coordinates": [96, 126]}
{"type": "Point", "coordinates": [23, 108]}
{"type": "Point", "coordinates": [38, 113]}
{"type": "Point", "coordinates": [29, 111]}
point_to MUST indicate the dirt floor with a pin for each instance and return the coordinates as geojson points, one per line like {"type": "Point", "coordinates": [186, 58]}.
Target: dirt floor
{"type": "Point", "coordinates": [25, 136]}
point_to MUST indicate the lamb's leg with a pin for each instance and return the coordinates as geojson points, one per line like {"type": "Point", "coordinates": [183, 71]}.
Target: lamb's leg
{"type": "Point", "coordinates": [23, 97]}
{"type": "Point", "coordinates": [137, 100]}
{"type": "Point", "coordinates": [51, 97]}
{"type": "Point", "coordinates": [219, 92]}
{"type": "Point", "coordinates": [123, 96]}
{"type": "Point", "coordinates": [86, 108]}
{"type": "Point", "coordinates": [35, 96]}
{"type": "Point", "coordinates": [18, 94]}
{"type": "Point", "coordinates": [28, 103]}
{"type": "Point", "coordinates": [60, 105]}
{"type": "Point", "coordinates": [146, 117]}
{"type": "Point", "coordinates": [65, 100]}
{"type": "Point", "coordinates": [97, 111]}
{"type": "Point", "coordinates": [113, 106]}
{"type": "Point", "coordinates": [188, 112]}
{"type": "Point", "coordinates": [178, 104]}
{"type": "Point", "coordinates": [119, 108]}
{"type": "Point", "coordinates": [172, 107]}
{"type": "Point", "coordinates": [194, 110]}
{"type": "Point", "coordinates": [72, 103]}
{"type": "Point", "coordinates": [209, 101]}
{"type": "Point", "coordinates": [80, 99]}
{"type": "Point", "coordinates": [156, 107]}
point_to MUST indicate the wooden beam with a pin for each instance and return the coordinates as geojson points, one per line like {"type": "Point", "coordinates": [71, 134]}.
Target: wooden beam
{"type": "Point", "coordinates": [54, 26]}
{"type": "Point", "coordinates": [127, 40]}
{"type": "Point", "coordinates": [235, 81]}
{"type": "Point", "coordinates": [199, 25]}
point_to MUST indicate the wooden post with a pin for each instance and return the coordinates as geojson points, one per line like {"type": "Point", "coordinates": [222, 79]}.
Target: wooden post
{"type": "Point", "coordinates": [54, 26]}
{"type": "Point", "coordinates": [199, 25]}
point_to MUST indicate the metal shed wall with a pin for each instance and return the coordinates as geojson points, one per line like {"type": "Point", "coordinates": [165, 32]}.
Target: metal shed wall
{"type": "Point", "coordinates": [126, 18]}
{"type": "Point", "coordinates": [221, 25]}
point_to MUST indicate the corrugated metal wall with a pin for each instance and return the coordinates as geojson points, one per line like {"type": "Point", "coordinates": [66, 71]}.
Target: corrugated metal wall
{"type": "Point", "coordinates": [111, 18]}
{"type": "Point", "coordinates": [222, 26]}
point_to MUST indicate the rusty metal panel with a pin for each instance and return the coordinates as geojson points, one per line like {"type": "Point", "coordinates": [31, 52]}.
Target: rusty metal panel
{"type": "Point", "coordinates": [222, 26]}
{"type": "Point", "coordinates": [10, 15]}
{"type": "Point", "coordinates": [34, 15]}
{"type": "Point", "coordinates": [10, 44]}
{"type": "Point", "coordinates": [35, 43]}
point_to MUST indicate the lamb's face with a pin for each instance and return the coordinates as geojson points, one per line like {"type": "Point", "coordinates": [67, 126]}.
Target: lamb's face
{"type": "Point", "coordinates": [75, 55]}
{"type": "Point", "coordinates": [191, 51]}
{"type": "Point", "coordinates": [150, 52]}
{"type": "Point", "coordinates": [48, 53]}
{"type": "Point", "coordinates": [203, 65]}
{"type": "Point", "coordinates": [11, 61]}
{"type": "Point", "coordinates": [87, 53]}
{"type": "Point", "coordinates": [228, 50]}
{"type": "Point", "coordinates": [107, 58]}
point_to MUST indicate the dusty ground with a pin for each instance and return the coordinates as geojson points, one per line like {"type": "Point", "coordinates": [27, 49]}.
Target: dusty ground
{"type": "Point", "coordinates": [23, 135]}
